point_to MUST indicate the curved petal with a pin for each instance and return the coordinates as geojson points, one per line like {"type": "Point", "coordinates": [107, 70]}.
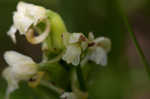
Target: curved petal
{"type": "Point", "coordinates": [91, 36]}
{"type": "Point", "coordinates": [22, 66]}
{"type": "Point", "coordinates": [32, 11]}
{"type": "Point", "coordinates": [13, 58]}
{"type": "Point", "coordinates": [12, 33]}
{"type": "Point", "coordinates": [36, 40]}
{"type": "Point", "coordinates": [21, 22]}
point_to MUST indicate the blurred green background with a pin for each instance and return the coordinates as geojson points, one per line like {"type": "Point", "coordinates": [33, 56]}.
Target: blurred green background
{"type": "Point", "coordinates": [124, 77]}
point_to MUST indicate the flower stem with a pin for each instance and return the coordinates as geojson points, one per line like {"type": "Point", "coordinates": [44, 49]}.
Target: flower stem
{"type": "Point", "coordinates": [52, 87]}
{"type": "Point", "coordinates": [80, 78]}
{"type": "Point", "coordinates": [136, 43]}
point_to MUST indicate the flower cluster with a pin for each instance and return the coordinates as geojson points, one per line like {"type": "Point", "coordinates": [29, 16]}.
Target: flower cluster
{"type": "Point", "coordinates": [74, 48]}
{"type": "Point", "coordinates": [80, 49]}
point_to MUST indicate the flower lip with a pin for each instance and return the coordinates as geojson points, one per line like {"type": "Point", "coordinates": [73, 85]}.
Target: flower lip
{"type": "Point", "coordinates": [36, 40]}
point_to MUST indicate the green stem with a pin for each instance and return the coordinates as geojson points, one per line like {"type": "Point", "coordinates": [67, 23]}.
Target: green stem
{"type": "Point", "coordinates": [136, 43]}
{"type": "Point", "coordinates": [52, 87]}
{"type": "Point", "coordinates": [80, 78]}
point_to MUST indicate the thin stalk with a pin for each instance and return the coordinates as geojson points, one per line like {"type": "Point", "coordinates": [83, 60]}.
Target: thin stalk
{"type": "Point", "coordinates": [53, 88]}
{"type": "Point", "coordinates": [80, 78]}
{"type": "Point", "coordinates": [136, 43]}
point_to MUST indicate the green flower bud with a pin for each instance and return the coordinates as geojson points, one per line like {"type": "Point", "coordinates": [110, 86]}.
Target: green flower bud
{"type": "Point", "coordinates": [55, 39]}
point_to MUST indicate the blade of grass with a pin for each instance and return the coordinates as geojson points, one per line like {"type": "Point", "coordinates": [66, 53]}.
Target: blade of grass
{"type": "Point", "coordinates": [134, 39]}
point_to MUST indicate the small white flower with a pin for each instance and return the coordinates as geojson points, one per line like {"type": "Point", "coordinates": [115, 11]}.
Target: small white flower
{"type": "Point", "coordinates": [21, 67]}
{"type": "Point", "coordinates": [75, 43]}
{"type": "Point", "coordinates": [68, 95]}
{"type": "Point", "coordinates": [25, 16]}
{"type": "Point", "coordinates": [97, 50]}
{"type": "Point", "coordinates": [72, 54]}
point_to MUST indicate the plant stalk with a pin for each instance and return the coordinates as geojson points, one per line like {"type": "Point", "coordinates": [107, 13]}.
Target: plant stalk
{"type": "Point", "coordinates": [52, 87]}
{"type": "Point", "coordinates": [80, 78]}
{"type": "Point", "coordinates": [134, 39]}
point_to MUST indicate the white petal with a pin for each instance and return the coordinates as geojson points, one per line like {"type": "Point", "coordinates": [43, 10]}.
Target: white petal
{"type": "Point", "coordinates": [75, 37]}
{"type": "Point", "coordinates": [104, 43]}
{"type": "Point", "coordinates": [12, 58]}
{"type": "Point", "coordinates": [72, 54]}
{"type": "Point", "coordinates": [23, 67]}
{"type": "Point", "coordinates": [98, 55]}
{"type": "Point", "coordinates": [21, 22]}
{"type": "Point", "coordinates": [32, 11]}
{"type": "Point", "coordinates": [12, 33]}
{"type": "Point", "coordinates": [24, 71]}
{"type": "Point", "coordinates": [91, 36]}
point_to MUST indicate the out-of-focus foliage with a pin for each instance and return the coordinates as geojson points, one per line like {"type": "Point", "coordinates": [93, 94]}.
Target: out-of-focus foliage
{"type": "Point", "coordinates": [116, 81]}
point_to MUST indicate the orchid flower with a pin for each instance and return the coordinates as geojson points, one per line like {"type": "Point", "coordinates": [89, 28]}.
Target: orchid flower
{"type": "Point", "coordinates": [21, 67]}
{"type": "Point", "coordinates": [75, 43]}
{"type": "Point", "coordinates": [97, 50]}
{"type": "Point", "coordinates": [26, 17]}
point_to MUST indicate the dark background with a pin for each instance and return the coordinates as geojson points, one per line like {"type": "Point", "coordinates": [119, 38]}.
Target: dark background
{"type": "Point", "coordinates": [125, 76]}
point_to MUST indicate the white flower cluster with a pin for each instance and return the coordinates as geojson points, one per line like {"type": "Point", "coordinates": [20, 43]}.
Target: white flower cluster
{"type": "Point", "coordinates": [79, 49]}
{"type": "Point", "coordinates": [94, 49]}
